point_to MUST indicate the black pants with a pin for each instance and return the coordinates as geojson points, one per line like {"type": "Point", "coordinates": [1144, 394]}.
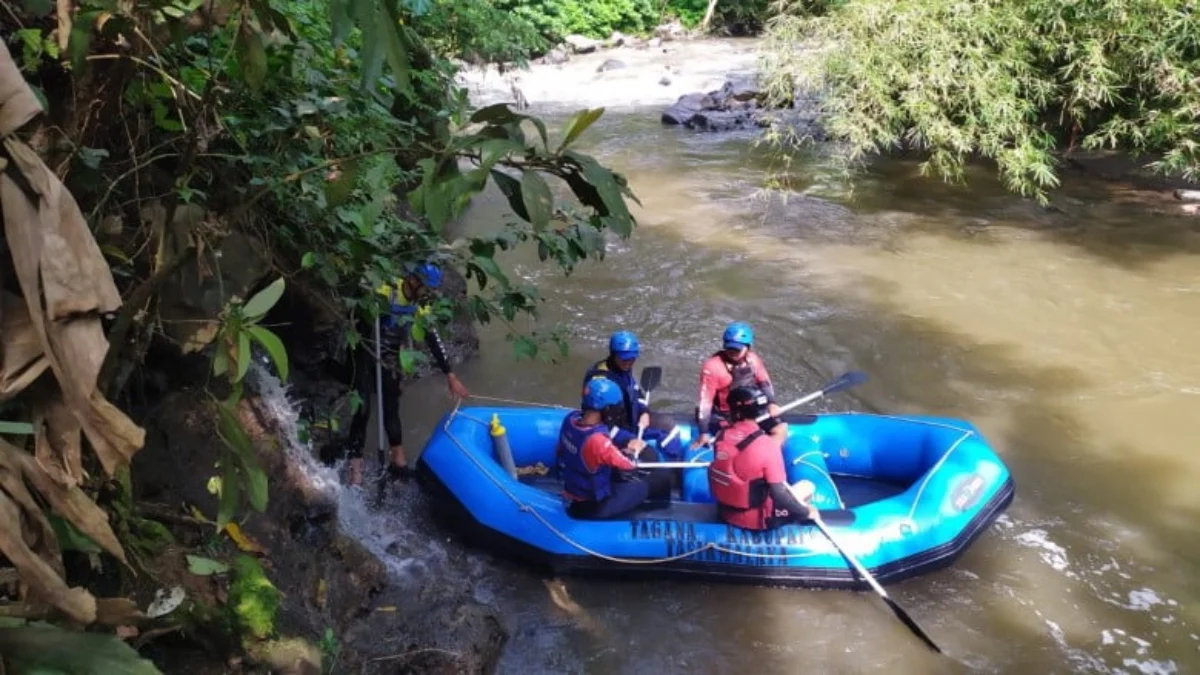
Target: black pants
{"type": "Point", "coordinates": [364, 384]}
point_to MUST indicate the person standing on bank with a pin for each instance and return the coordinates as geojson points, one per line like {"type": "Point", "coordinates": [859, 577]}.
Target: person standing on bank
{"type": "Point", "coordinates": [747, 476]}
{"type": "Point", "coordinates": [408, 306]}
{"type": "Point", "coordinates": [598, 481]}
{"type": "Point", "coordinates": [736, 365]}
{"type": "Point", "coordinates": [634, 414]}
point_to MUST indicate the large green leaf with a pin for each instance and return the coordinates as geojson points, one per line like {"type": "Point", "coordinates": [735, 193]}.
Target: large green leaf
{"type": "Point", "coordinates": [243, 357]}
{"type": "Point", "coordinates": [203, 567]}
{"type": "Point", "coordinates": [492, 269]}
{"type": "Point", "coordinates": [397, 49]}
{"type": "Point", "coordinates": [579, 123]}
{"type": "Point", "coordinates": [493, 150]}
{"type": "Point", "coordinates": [231, 492]}
{"type": "Point", "coordinates": [274, 347]}
{"type": "Point", "coordinates": [255, 482]}
{"type": "Point", "coordinates": [511, 188]}
{"type": "Point", "coordinates": [69, 537]}
{"type": "Point", "coordinates": [264, 300]}
{"type": "Point", "coordinates": [497, 113]}
{"type": "Point", "coordinates": [539, 203]}
{"type": "Point", "coordinates": [46, 649]}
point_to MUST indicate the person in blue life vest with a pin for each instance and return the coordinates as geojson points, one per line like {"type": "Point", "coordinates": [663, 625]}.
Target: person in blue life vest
{"type": "Point", "coordinates": [599, 481]}
{"type": "Point", "coordinates": [408, 298]}
{"type": "Point", "coordinates": [623, 351]}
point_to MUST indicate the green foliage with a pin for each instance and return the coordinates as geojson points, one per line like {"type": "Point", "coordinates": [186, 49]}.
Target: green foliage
{"type": "Point", "coordinates": [46, 649]}
{"type": "Point", "coordinates": [1012, 82]}
{"type": "Point", "coordinates": [253, 599]}
{"type": "Point", "coordinates": [556, 19]}
{"type": "Point", "coordinates": [331, 651]}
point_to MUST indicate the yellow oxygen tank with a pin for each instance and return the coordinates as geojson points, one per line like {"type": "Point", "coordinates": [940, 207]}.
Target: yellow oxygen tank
{"type": "Point", "coordinates": [501, 446]}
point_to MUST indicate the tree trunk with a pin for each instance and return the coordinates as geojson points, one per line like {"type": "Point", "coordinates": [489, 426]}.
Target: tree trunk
{"type": "Point", "coordinates": [708, 15]}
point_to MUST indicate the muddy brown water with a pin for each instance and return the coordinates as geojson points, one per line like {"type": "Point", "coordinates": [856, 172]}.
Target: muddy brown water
{"type": "Point", "coordinates": [1069, 336]}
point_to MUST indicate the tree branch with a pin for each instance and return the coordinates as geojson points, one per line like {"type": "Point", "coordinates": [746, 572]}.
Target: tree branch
{"type": "Point", "coordinates": [129, 310]}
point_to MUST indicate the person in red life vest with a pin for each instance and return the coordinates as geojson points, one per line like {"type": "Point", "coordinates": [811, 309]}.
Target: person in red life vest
{"type": "Point", "coordinates": [598, 480]}
{"type": "Point", "coordinates": [747, 477]}
{"type": "Point", "coordinates": [736, 365]}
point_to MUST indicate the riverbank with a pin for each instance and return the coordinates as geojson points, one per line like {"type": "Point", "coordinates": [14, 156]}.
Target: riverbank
{"type": "Point", "coordinates": [709, 85]}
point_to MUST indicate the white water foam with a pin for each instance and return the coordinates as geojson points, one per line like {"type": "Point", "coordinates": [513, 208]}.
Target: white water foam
{"type": "Point", "coordinates": [382, 531]}
{"type": "Point", "coordinates": [1127, 653]}
{"type": "Point", "coordinates": [1051, 553]}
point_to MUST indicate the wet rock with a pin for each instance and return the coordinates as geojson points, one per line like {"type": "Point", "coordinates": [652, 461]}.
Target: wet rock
{"type": "Point", "coordinates": [617, 39]}
{"type": "Point", "coordinates": [610, 64]}
{"type": "Point", "coordinates": [555, 56]}
{"type": "Point", "coordinates": [664, 81]}
{"type": "Point", "coordinates": [739, 104]}
{"type": "Point", "coordinates": [740, 89]}
{"type": "Point", "coordinates": [720, 120]}
{"type": "Point", "coordinates": [1188, 195]}
{"type": "Point", "coordinates": [686, 107]}
{"type": "Point", "coordinates": [582, 45]}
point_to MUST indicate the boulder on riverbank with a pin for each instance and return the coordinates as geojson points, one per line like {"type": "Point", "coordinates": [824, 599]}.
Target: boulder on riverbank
{"type": "Point", "coordinates": [741, 104]}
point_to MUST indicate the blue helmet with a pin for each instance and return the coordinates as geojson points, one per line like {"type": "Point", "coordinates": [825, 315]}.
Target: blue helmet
{"type": "Point", "coordinates": [600, 393]}
{"type": "Point", "coordinates": [429, 274]}
{"type": "Point", "coordinates": [737, 335]}
{"type": "Point", "coordinates": [623, 345]}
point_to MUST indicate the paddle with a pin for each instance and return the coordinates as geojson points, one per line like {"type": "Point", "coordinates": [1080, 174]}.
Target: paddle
{"type": "Point", "coordinates": [379, 410]}
{"type": "Point", "coordinates": [845, 381]}
{"type": "Point", "coordinates": [896, 609]}
{"type": "Point", "coordinates": [651, 378]}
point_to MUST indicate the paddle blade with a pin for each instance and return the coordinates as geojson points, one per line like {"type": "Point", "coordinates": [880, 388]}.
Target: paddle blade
{"type": "Point", "coordinates": [912, 625]}
{"type": "Point", "coordinates": [847, 380]}
{"type": "Point", "coordinates": [651, 378]}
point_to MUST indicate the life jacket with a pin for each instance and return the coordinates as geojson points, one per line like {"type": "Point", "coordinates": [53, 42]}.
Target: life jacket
{"type": "Point", "coordinates": [740, 375]}
{"type": "Point", "coordinates": [395, 327]}
{"type": "Point", "coordinates": [630, 391]}
{"type": "Point", "coordinates": [579, 482]}
{"type": "Point", "coordinates": [726, 486]}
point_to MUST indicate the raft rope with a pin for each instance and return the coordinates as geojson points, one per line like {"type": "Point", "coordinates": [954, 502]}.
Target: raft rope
{"type": "Point", "coordinates": [512, 400]}
{"type": "Point", "coordinates": [525, 508]}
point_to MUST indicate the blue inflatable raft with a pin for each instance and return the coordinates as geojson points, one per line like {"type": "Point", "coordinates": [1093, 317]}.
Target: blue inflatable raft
{"type": "Point", "coordinates": [904, 495]}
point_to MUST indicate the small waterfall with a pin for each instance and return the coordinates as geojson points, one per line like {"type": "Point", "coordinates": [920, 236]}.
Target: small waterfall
{"type": "Point", "coordinates": [395, 531]}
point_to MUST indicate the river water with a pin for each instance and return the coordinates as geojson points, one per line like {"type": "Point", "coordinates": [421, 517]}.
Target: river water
{"type": "Point", "coordinates": [1067, 335]}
